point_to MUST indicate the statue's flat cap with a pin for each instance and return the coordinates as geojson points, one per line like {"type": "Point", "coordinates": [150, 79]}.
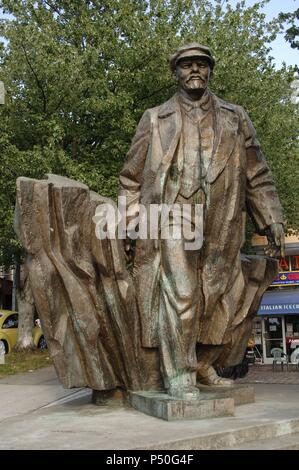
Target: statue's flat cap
{"type": "Point", "coordinates": [192, 50]}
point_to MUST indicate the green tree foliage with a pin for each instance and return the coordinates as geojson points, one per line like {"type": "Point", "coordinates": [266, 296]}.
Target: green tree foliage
{"type": "Point", "coordinates": [79, 74]}
{"type": "Point", "coordinates": [292, 32]}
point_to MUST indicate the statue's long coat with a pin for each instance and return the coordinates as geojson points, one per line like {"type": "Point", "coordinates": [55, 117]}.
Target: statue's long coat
{"type": "Point", "coordinates": [238, 179]}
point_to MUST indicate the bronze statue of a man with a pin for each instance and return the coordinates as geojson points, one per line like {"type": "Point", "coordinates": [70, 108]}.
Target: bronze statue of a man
{"type": "Point", "coordinates": [197, 149]}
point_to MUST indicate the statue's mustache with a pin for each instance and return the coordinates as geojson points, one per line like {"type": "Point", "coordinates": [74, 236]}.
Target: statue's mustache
{"type": "Point", "coordinates": [195, 77]}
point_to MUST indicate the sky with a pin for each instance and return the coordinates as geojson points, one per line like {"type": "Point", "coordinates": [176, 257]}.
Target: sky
{"type": "Point", "coordinates": [281, 50]}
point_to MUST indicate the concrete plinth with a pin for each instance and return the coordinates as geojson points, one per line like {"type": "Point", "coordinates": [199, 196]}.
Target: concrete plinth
{"type": "Point", "coordinates": [161, 405]}
{"type": "Point", "coordinates": [213, 402]}
{"type": "Point", "coordinates": [242, 394]}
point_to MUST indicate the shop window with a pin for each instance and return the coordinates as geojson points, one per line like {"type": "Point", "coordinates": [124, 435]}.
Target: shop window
{"type": "Point", "coordinates": [292, 332]}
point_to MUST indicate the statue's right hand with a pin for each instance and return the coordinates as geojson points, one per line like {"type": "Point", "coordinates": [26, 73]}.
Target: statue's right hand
{"type": "Point", "coordinates": [276, 240]}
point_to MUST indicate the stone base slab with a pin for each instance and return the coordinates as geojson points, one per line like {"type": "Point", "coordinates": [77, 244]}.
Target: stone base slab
{"type": "Point", "coordinates": [242, 394]}
{"type": "Point", "coordinates": [161, 405]}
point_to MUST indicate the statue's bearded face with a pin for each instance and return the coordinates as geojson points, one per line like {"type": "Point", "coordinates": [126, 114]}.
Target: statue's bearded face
{"type": "Point", "coordinates": [193, 74]}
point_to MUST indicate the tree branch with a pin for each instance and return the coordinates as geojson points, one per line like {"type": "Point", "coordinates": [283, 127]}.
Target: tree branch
{"type": "Point", "coordinates": [52, 7]}
{"type": "Point", "coordinates": [36, 79]}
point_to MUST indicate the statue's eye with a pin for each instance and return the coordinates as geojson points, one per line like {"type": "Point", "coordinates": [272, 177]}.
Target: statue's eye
{"type": "Point", "coordinates": [186, 65]}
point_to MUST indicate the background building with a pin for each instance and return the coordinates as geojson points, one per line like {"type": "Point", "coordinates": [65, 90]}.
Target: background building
{"type": "Point", "coordinates": [277, 321]}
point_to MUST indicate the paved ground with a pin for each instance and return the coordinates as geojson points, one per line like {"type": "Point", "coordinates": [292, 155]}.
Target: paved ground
{"type": "Point", "coordinates": [37, 413]}
{"type": "Point", "coordinates": [22, 393]}
{"type": "Point", "coordinates": [265, 374]}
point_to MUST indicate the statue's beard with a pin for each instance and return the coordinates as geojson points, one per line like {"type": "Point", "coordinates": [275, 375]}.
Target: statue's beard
{"type": "Point", "coordinates": [195, 83]}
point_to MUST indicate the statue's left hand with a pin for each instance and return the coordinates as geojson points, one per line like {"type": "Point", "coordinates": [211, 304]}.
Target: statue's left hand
{"type": "Point", "coordinates": [276, 243]}
{"type": "Point", "coordinates": [129, 248]}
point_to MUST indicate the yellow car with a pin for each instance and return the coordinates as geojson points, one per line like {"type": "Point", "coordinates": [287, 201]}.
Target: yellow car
{"type": "Point", "coordinates": [9, 331]}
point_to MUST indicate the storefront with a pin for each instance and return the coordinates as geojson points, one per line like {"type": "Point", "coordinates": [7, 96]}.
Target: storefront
{"type": "Point", "coordinates": [277, 322]}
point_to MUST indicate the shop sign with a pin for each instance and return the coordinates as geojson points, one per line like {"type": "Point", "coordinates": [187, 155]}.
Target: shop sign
{"type": "Point", "coordinates": [289, 263]}
{"type": "Point", "coordinates": [290, 278]}
{"type": "Point", "coordinates": [280, 308]}
{"type": "Point", "coordinates": [289, 272]}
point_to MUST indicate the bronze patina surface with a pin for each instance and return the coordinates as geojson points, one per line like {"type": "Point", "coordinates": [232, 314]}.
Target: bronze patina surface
{"type": "Point", "coordinates": [199, 148]}
{"type": "Point", "coordinates": [179, 313]}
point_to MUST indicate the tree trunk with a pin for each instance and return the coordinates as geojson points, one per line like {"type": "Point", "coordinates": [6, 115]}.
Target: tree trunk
{"type": "Point", "coordinates": [26, 312]}
{"type": "Point", "coordinates": [2, 290]}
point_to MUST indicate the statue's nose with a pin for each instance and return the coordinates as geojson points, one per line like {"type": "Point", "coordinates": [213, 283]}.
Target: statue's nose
{"type": "Point", "coordinates": [195, 67]}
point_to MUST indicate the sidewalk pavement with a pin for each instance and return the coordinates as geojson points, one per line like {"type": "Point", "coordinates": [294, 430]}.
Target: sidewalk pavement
{"type": "Point", "coordinates": [259, 373]}
{"type": "Point", "coordinates": [37, 413]}
{"type": "Point", "coordinates": [30, 391]}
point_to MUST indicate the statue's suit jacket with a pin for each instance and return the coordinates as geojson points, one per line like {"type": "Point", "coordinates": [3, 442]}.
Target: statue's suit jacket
{"type": "Point", "coordinates": [238, 179]}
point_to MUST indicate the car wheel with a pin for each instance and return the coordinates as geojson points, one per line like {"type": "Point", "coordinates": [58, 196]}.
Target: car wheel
{"type": "Point", "coordinates": [42, 343]}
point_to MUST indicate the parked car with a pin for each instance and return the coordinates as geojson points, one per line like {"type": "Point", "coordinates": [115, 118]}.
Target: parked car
{"type": "Point", "coordinates": [9, 331]}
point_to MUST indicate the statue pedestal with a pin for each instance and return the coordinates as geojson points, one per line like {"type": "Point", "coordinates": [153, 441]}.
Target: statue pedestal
{"type": "Point", "coordinates": [213, 402]}
{"type": "Point", "coordinates": [242, 394]}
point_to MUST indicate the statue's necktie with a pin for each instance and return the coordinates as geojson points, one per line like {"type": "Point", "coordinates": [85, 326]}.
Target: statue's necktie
{"type": "Point", "coordinates": [191, 178]}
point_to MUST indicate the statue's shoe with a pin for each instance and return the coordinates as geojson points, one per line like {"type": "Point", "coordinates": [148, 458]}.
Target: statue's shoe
{"type": "Point", "coordinates": [184, 392]}
{"type": "Point", "coordinates": [208, 376]}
